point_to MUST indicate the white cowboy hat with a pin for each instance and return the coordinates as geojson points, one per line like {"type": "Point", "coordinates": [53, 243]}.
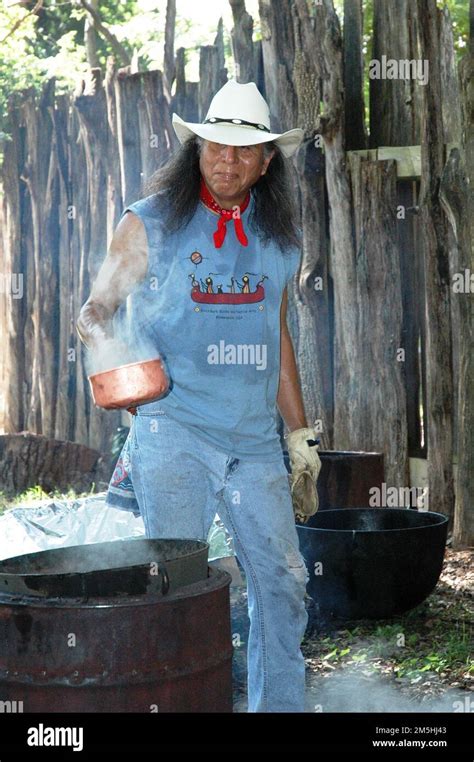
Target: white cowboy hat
{"type": "Point", "coordinates": [238, 116]}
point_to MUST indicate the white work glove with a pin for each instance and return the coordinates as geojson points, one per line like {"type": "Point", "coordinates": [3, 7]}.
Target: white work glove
{"type": "Point", "coordinates": [305, 468]}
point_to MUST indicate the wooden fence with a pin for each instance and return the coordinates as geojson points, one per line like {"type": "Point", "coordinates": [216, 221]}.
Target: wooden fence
{"type": "Point", "coordinates": [379, 331]}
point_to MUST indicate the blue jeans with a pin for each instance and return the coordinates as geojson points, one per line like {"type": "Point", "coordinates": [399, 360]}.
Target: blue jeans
{"type": "Point", "coordinates": [181, 482]}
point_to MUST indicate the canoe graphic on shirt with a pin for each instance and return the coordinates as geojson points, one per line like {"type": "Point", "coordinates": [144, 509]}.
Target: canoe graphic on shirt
{"type": "Point", "coordinates": [227, 298]}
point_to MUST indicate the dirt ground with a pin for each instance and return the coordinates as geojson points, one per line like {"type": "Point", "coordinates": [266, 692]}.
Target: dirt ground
{"type": "Point", "coordinates": [421, 661]}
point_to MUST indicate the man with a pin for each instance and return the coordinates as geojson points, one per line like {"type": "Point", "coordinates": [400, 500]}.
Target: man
{"type": "Point", "coordinates": [222, 206]}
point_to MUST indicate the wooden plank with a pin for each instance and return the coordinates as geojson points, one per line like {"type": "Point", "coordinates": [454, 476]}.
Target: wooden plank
{"type": "Point", "coordinates": [408, 159]}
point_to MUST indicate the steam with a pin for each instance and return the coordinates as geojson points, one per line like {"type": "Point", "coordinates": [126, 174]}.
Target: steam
{"type": "Point", "coordinates": [345, 690]}
{"type": "Point", "coordinates": [113, 352]}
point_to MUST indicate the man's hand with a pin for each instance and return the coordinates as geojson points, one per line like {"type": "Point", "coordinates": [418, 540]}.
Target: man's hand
{"type": "Point", "coordinates": [305, 468]}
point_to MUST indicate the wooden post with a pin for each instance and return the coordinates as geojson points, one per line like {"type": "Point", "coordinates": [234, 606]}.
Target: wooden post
{"type": "Point", "coordinates": [278, 54]}
{"type": "Point", "coordinates": [435, 247]}
{"type": "Point", "coordinates": [13, 344]}
{"type": "Point", "coordinates": [127, 93]}
{"type": "Point", "coordinates": [457, 195]}
{"type": "Point", "coordinates": [242, 44]}
{"type": "Point", "coordinates": [312, 290]}
{"type": "Point", "coordinates": [395, 103]}
{"type": "Point", "coordinates": [378, 417]}
{"type": "Point", "coordinates": [209, 77]}
{"type": "Point", "coordinates": [356, 137]}
{"type": "Point", "coordinates": [169, 62]}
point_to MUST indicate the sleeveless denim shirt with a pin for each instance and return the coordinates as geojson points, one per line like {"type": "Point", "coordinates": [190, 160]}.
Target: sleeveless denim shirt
{"type": "Point", "coordinates": [214, 317]}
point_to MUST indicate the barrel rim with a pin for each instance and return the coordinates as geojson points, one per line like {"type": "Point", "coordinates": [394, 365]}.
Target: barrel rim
{"type": "Point", "coordinates": [443, 520]}
{"type": "Point", "coordinates": [194, 590]}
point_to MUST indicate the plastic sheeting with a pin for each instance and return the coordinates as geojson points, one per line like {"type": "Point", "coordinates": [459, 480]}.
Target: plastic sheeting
{"type": "Point", "coordinates": [61, 523]}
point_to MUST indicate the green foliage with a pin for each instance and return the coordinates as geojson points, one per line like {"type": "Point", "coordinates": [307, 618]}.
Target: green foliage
{"type": "Point", "coordinates": [36, 495]}
{"type": "Point", "coordinates": [412, 646]}
{"type": "Point", "coordinates": [50, 42]}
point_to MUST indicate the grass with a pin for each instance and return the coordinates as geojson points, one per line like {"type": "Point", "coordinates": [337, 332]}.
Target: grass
{"type": "Point", "coordinates": [37, 494]}
{"type": "Point", "coordinates": [411, 648]}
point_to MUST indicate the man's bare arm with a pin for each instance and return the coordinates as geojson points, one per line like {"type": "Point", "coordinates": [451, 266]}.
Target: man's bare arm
{"type": "Point", "coordinates": [289, 399]}
{"type": "Point", "coordinates": [124, 267]}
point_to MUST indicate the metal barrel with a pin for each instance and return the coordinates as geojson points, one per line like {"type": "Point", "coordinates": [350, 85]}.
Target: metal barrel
{"type": "Point", "coordinates": [346, 478]}
{"type": "Point", "coordinates": [145, 653]}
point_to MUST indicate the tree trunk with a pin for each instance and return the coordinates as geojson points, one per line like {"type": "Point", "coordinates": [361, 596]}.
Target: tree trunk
{"type": "Point", "coordinates": [90, 37]}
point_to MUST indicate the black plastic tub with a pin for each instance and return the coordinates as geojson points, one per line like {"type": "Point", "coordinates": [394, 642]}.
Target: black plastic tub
{"type": "Point", "coordinates": [372, 562]}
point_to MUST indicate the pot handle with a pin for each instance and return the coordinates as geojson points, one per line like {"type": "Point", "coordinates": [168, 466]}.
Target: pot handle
{"type": "Point", "coordinates": [165, 580]}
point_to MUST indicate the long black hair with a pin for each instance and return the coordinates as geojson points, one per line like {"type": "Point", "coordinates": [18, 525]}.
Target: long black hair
{"type": "Point", "coordinates": [273, 216]}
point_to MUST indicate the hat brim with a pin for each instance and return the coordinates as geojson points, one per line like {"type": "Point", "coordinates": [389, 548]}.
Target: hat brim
{"type": "Point", "coordinates": [237, 135]}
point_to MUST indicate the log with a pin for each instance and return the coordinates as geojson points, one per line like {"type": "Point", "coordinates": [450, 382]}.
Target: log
{"type": "Point", "coordinates": [29, 460]}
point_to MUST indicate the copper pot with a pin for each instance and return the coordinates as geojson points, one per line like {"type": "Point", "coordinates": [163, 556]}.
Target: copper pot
{"type": "Point", "coordinates": [132, 384]}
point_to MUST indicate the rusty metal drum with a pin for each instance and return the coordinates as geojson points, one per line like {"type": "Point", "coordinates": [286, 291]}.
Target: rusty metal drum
{"type": "Point", "coordinates": [129, 653]}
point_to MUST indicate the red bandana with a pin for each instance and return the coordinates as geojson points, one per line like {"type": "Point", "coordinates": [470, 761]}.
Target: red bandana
{"type": "Point", "coordinates": [225, 216]}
